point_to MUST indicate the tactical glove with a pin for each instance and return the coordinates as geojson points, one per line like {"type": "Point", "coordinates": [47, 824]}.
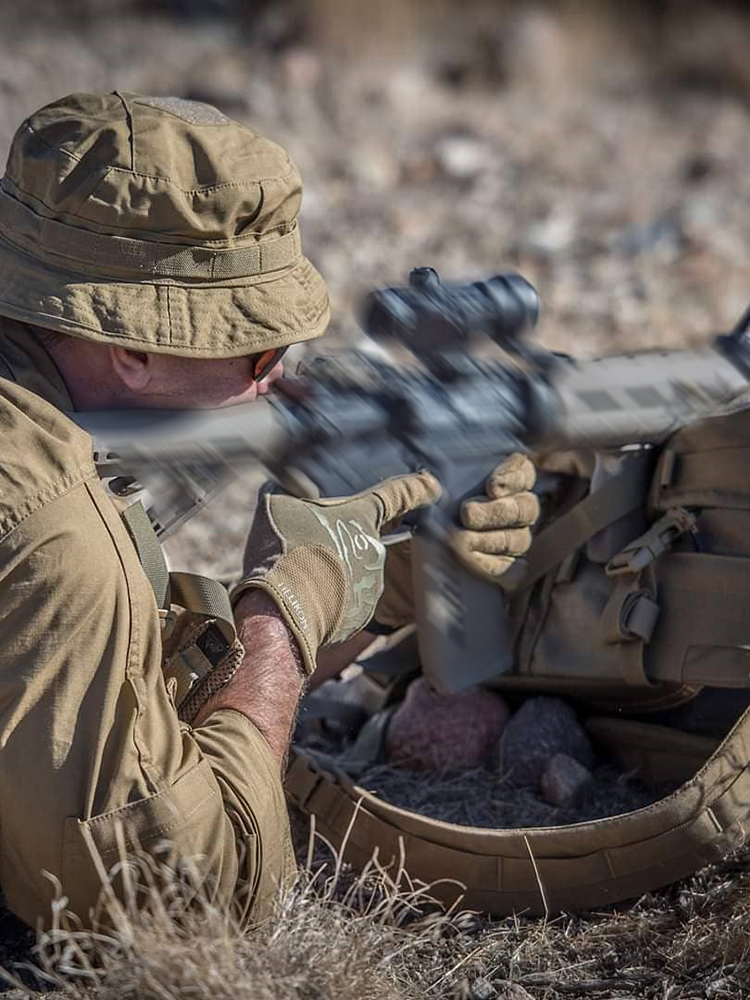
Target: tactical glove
{"type": "Point", "coordinates": [321, 561]}
{"type": "Point", "coordinates": [497, 526]}
{"type": "Point", "coordinates": [495, 535]}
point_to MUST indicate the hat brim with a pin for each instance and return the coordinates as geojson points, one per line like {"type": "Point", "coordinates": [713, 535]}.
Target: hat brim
{"type": "Point", "coordinates": [197, 319]}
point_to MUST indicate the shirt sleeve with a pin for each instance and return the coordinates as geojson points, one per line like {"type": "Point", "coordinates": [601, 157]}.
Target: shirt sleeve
{"type": "Point", "coordinates": [87, 724]}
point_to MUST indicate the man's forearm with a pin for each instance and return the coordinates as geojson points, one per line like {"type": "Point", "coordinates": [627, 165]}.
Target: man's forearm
{"type": "Point", "coordinates": [269, 682]}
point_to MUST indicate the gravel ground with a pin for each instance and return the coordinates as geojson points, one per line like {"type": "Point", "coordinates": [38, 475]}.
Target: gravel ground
{"type": "Point", "coordinates": [480, 798]}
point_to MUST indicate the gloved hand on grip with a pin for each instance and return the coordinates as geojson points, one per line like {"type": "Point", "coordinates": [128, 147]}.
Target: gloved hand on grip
{"type": "Point", "coordinates": [496, 529]}
{"type": "Point", "coordinates": [496, 533]}
{"type": "Point", "coordinates": [322, 560]}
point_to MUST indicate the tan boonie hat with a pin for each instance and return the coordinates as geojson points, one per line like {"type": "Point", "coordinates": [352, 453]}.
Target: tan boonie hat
{"type": "Point", "coordinates": [158, 224]}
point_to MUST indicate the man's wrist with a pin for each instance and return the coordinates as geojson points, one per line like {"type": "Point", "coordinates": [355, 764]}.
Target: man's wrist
{"type": "Point", "coordinates": [254, 605]}
{"type": "Point", "coordinates": [256, 602]}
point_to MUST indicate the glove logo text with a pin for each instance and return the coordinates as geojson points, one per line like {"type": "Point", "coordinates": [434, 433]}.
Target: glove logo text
{"type": "Point", "coordinates": [294, 603]}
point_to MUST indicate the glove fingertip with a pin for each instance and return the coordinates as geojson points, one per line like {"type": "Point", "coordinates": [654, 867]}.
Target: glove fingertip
{"type": "Point", "coordinates": [467, 508]}
{"type": "Point", "coordinates": [402, 494]}
{"type": "Point", "coordinates": [514, 474]}
{"type": "Point", "coordinates": [431, 486]}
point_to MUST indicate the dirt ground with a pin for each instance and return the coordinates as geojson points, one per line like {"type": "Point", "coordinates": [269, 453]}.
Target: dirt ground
{"type": "Point", "coordinates": [600, 149]}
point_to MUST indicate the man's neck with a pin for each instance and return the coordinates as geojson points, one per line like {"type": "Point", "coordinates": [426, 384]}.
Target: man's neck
{"type": "Point", "coordinates": [86, 375]}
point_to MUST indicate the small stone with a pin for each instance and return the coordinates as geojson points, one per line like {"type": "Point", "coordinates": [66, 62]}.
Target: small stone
{"type": "Point", "coordinates": [541, 728]}
{"type": "Point", "coordinates": [430, 731]}
{"type": "Point", "coordinates": [565, 781]}
{"type": "Point", "coordinates": [551, 234]}
{"type": "Point", "coordinates": [482, 989]}
{"type": "Point", "coordinates": [461, 156]}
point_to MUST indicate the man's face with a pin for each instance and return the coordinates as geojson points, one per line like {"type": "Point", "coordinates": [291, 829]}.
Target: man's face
{"type": "Point", "coordinates": [197, 383]}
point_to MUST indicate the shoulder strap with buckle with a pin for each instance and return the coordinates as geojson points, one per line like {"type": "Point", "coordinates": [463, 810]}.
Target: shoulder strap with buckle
{"type": "Point", "coordinates": [554, 544]}
{"type": "Point", "coordinates": [632, 611]}
{"type": "Point", "coordinates": [199, 594]}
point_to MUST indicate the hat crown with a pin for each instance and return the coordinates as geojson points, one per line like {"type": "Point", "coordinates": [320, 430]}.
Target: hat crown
{"type": "Point", "coordinates": [152, 168]}
{"type": "Point", "coordinates": [157, 223]}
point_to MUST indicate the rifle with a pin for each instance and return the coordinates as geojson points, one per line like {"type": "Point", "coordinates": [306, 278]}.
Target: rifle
{"type": "Point", "coordinates": [454, 386]}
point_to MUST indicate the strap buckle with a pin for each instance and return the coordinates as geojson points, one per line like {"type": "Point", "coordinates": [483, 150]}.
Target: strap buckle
{"type": "Point", "coordinates": [646, 549]}
{"type": "Point", "coordinates": [632, 619]}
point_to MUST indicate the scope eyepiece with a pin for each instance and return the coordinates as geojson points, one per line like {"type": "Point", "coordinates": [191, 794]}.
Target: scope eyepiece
{"type": "Point", "coordinates": [429, 317]}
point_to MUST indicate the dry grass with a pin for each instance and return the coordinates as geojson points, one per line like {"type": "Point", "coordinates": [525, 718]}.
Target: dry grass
{"type": "Point", "coordinates": [377, 939]}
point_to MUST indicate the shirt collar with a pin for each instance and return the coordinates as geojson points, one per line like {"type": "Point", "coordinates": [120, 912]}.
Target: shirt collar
{"type": "Point", "coordinates": [31, 363]}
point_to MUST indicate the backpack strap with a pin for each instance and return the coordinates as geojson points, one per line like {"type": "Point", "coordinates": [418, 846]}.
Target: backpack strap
{"type": "Point", "coordinates": [554, 544]}
{"type": "Point", "coordinates": [630, 615]}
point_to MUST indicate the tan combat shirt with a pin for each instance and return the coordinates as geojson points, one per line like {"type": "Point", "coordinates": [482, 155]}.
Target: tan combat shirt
{"type": "Point", "coordinates": [88, 733]}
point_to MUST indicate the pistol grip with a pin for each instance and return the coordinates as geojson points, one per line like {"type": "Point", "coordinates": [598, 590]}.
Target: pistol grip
{"type": "Point", "coordinates": [462, 625]}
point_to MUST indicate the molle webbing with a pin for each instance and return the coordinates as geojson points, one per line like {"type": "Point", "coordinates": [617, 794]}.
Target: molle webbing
{"type": "Point", "coordinates": [711, 479]}
{"type": "Point", "coordinates": [540, 870]}
{"type": "Point", "coordinates": [66, 245]}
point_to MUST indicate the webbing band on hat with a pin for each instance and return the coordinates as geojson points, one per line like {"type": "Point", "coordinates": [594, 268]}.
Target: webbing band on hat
{"type": "Point", "coordinates": [47, 238]}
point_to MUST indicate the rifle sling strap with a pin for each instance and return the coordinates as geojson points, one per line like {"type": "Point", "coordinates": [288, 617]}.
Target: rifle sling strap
{"type": "Point", "coordinates": [198, 594]}
{"type": "Point", "coordinates": [204, 596]}
{"type": "Point", "coordinates": [149, 551]}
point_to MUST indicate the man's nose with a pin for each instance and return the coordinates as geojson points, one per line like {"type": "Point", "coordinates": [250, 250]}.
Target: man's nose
{"type": "Point", "coordinates": [265, 384]}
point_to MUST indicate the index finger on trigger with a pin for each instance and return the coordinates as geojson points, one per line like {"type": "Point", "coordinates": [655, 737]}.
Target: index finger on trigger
{"type": "Point", "coordinates": [405, 493]}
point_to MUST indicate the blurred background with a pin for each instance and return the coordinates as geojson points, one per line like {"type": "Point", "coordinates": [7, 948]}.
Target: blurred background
{"type": "Point", "coordinates": [601, 148]}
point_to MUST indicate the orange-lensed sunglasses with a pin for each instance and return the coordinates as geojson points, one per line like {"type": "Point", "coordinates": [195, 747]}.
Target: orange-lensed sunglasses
{"type": "Point", "coordinates": [266, 361]}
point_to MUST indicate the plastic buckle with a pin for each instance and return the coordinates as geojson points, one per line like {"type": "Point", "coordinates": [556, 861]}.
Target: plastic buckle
{"type": "Point", "coordinates": [645, 550]}
{"type": "Point", "coordinates": [639, 613]}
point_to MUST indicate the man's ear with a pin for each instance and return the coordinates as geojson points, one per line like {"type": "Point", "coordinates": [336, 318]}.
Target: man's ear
{"type": "Point", "coordinates": [133, 368]}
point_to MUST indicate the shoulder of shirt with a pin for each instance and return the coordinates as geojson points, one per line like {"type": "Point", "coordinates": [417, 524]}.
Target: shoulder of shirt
{"type": "Point", "coordinates": [44, 454]}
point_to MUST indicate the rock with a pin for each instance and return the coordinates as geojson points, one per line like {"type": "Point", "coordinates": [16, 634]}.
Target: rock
{"type": "Point", "coordinates": [551, 234]}
{"type": "Point", "coordinates": [430, 731]}
{"type": "Point", "coordinates": [482, 989]}
{"type": "Point", "coordinates": [461, 156]}
{"type": "Point", "coordinates": [565, 781]}
{"type": "Point", "coordinates": [540, 729]}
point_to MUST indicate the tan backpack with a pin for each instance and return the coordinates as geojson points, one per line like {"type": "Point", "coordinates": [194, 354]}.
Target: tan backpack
{"type": "Point", "coordinates": [637, 597]}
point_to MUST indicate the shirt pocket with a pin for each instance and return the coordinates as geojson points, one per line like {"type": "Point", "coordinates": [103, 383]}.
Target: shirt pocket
{"type": "Point", "coordinates": [182, 828]}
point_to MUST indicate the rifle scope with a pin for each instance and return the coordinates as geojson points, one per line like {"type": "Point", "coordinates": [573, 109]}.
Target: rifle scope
{"type": "Point", "coordinates": [429, 317]}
